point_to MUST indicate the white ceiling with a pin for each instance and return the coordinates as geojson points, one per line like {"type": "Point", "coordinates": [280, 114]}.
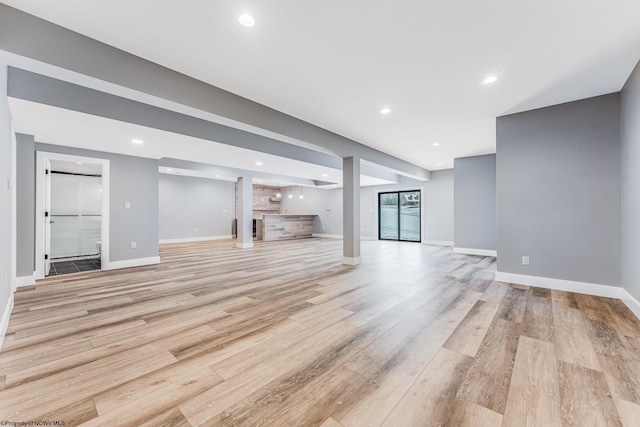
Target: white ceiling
{"type": "Point", "coordinates": [337, 63]}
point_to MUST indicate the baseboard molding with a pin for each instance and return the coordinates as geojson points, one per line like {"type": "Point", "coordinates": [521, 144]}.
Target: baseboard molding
{"type": "Point", "coordinates": [4, 323]}
{"type": "Point", "coordinates": [471, 251]}
{"type": "Point", "coordinates": [196, 239]}
{"type": "Point", "coordinates": [327, 236]}
{"type": "Point", "coordinates": [128, 263]}
{"type": "Point", "coordinates": [340, 236]}
{"type": "Point", "coordinates": [438, 242]}
{"type": "Point", "coordinates": [351, 261]}
{"type": "Point", "coordinates": [571, 286]}
{"type": "Point", "coordinates": [241, 245]}
{"type": "Point", "coordinates": [25, 281]}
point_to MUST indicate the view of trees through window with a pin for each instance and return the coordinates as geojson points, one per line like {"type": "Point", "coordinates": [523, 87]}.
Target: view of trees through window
{"type": "Point", "coordinates": [399, 216]}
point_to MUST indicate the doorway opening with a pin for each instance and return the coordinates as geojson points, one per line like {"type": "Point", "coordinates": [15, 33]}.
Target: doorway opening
{"type": "Point", "coordinates": [399, 216]}
{"type": "Point", "coordinates": [72, 207]}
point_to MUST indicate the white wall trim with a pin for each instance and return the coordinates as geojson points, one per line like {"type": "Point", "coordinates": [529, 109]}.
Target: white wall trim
{"type": "Point", "coordinates": [41, 157]}
{"type": "Point", "coordinates": [351, 261]}
{"type": "Point", "coordinates": [438, 242]}
{"type": "Point", "coordinates": [327, 236]}
{"type": "Point", "coordinates": [195, 239]}
{"type": "Point", "coordinates": [339, 236]}
{"type": "Point", "coordinates": [128, 263]}
{"type": "Point", "coordinates": [26, 280]}
{"type": "Point", "coordinates": [631, 302]}
{"type": "Point", "coordinates": [471, 251]}
{"type": "Point", "coordinates": [241, 245]}
{"type": "Point", "coordinates": [561, 284]}
{"type": "Point", "coordinates": [571, 286]}
{"type": "Point", "coordinates": [4, 323]}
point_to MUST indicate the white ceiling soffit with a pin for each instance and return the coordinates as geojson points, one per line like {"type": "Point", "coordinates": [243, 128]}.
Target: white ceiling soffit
{"type": "Point", "coordinates": [365, 180]}
{"type": "Point", "coordinates": [336, 64]}
{"type": "Point", "coordinates": [59, 126]}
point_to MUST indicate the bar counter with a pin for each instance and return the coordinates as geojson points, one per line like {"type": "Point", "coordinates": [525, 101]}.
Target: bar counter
{"type": "Point", "coordinates": [287, 226]}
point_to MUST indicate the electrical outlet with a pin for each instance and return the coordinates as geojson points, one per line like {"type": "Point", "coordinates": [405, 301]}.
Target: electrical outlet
{"type": "Point", "coordinates": [127, 205]}
{"type": "Point", "coordinates": [525, 260]}
{"type": "Point", "coordinates": [196, 230]}
{"type": "Point", "coordinates": [133, 245]}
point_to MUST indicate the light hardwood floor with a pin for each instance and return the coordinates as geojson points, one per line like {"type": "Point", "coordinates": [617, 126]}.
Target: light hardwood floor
{"type": "Point", "coordinates": [283, 335]}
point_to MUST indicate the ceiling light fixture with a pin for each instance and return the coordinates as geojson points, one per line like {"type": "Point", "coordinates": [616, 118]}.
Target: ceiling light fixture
{"type": "Point", "coordinates": [438, 164]}
{"type": "Point", "coordinates": [259, 163]}
{"type": "Point", "coordinates": [489, 80]}
{"type": "Point", "coordinates": [217, 176]}
{"type": "Point", "coordinates": [79, 163]}
{"type": "Point", "coordinates": [325, 175]}
{"type": "Point", "coordinates": [247, 20]}
{"type": "Point", "coordinates": [436, 144]}
{"type": "Point", "coordinates": [137, 141]}
{"type": "Point", "coordinates": [301, 196]}
{"type": "Point", "coordinates": [385, 110]}
{"type": "Point", "coordinates": [290, 195]}
{"type": "Point", "coordinates": [169, 170]}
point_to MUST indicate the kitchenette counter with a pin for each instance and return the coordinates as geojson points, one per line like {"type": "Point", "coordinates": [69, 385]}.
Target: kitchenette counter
{"type": "Point", "coordinates": [287, 226]}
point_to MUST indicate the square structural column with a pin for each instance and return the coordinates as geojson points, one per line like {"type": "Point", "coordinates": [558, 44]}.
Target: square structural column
{"type": "Point", "coordinates": [351, 210]}
{"type": "Point", "coordinates": [244, 226]}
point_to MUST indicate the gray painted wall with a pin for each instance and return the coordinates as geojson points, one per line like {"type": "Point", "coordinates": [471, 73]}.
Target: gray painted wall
{"type": "Point", "coordinates": [134, 180]}
{"type": "Point", "coordinates": [188, 203]}
{"type": "Point", "coordinates": [475, 202]}
{"type": "Point", "coordinates": [438, 206]}
{"type": "Point", "coordinates": [6, 200]}
{"type": "Point", "coordinates": [559, 191]}
{"type": "Point", "coordinates": [26, 205]}
{"type": "Point", "coordinates": [630, 146]}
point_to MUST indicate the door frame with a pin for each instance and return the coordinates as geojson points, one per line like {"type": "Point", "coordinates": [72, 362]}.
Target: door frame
{"type": "Point", "coordinates": [401, 190]}
{"type": "Point", "coordinates": [41, 157]}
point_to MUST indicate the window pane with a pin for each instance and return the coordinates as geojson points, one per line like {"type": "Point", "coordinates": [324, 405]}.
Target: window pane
{"type": "Point", "coordinates": [389, 216]}
{"type": "Point", "coordinates": [410, 216]}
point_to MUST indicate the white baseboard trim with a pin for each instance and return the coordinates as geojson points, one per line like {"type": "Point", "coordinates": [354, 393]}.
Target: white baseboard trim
{"type": "Point", "coordinates": [562, 285]}
{"type": "Point", "coordinates": [241, 245]}
{"type": "Point", "coordinates": [471, 251]}
{"type": "Point", "coordinates": [25, 280]}
{"type": "Point", "coordinates": [4, 323]}
{"type": "Point", "coordinates": [327, 236]}
{"type": "Point", "coordinates": [631, 302]}
{"type": "Point", "coordinates": [196, 239]}
{"type": "Point", "coordinates": [571, 286]}
{"type": "Point", "coordinates": [340, 236]}
{"type": "Point", "coordinates": [438, 242]}
{"type": "Point", "coordinates": [128, 263]}
{"type": "Point", "coordinates": [351, 261]}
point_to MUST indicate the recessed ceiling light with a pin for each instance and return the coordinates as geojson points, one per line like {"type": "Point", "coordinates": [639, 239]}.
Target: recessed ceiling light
{"type": "Point", "coordinates": [325, 175]}
{"type": "Point", "coordinates": [137, 141]}
{"type": "Point", "coordinates": [259, 163]}
{"type": "Point", "coordinates": [169, 170]}
{"type": "Point", "coordinates": [259, 180]}
{"type": "Point", "coordinates": [79, 163]}
{"type": "Point", "coordinates": [217, 176]}
{"type": "Point", "coordinates": [436, 144]}
{"type": "Point", "coordinates": [365, 182]}
{"type": "Point", "coordinates": [438, 164]}
{"type": "Point", "coordinates": [385, 110]}
{"type": "Point", "coordinates": [247, 20]}
{"type": "Point", "coordinates": [489, 80]}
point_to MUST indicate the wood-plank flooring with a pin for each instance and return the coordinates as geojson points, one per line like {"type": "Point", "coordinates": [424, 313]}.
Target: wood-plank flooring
{"type": "Point", "coordinates": [282, 334]}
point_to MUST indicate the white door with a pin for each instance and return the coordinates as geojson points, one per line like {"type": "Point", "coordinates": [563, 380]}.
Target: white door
{"type": "Point", "coordinates": [47, 217]}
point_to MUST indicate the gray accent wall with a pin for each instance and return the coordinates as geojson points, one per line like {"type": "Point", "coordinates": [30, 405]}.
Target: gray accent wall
{"type": "Point", "coordinates": [559, 191]}
{"type": "Point", "coordinates": [630, 146]}
{"type": "Point", "coordinates": [134, 180]}
{"type": "Point", "coordinates": [26, 204]}
{"type": "Point", "coordinates": [438, 207]}
{"type": "Point", "coordinates": [195, 207]}
{"type": "Point", "coordinates": [475, 202]}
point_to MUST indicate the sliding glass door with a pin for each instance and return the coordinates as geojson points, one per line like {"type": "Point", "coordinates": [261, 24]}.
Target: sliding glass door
{"type": "Point", "coordinates": [399, 216]}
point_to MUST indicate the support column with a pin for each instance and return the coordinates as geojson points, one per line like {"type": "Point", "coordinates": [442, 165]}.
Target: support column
{"type": "Point", "coordinates": [245, 213]}
{"type": "Point", "coordinates": [351, 210]}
